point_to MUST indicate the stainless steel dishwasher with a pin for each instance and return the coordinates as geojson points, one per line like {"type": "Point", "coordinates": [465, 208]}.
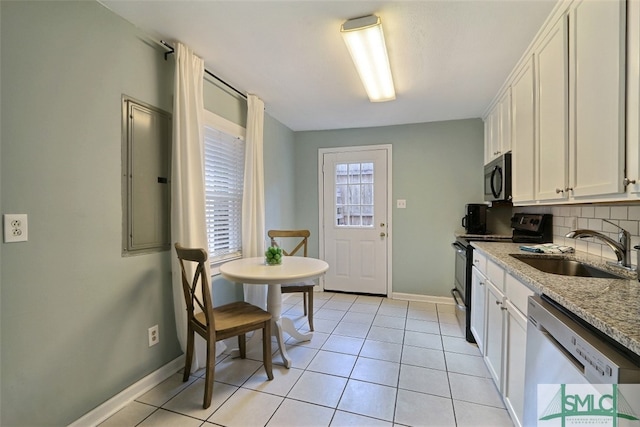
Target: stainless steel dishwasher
{"type": "Point", "coordinates": [562, 353]}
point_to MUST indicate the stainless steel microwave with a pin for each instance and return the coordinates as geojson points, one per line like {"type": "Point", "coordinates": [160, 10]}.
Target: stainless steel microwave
{"type": "Point", "coordinates": [497, 179]}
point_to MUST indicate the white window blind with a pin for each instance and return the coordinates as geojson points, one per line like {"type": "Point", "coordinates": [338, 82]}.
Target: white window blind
{"type": "Point", "coordinates": [224, 172]}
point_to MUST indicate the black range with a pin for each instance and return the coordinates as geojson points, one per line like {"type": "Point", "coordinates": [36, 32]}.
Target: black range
{"type": "Point", "coordinates": [527, 228]}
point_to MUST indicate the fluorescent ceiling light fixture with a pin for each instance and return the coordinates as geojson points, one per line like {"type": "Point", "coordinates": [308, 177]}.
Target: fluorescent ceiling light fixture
{"type": "Point", "coordinates": [365, 41]}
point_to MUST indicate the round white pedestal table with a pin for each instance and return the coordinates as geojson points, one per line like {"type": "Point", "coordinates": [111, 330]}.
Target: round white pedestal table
{"type": "Point", "coordinates": [292, 270]}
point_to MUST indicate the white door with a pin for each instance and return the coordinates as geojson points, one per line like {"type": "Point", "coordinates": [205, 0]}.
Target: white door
{"type": "Point", "coordinates": [354, 219]}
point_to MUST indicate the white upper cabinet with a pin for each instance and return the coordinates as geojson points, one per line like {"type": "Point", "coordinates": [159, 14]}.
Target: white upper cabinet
{"type": "Point", "coordinates": [597, 98]}
{"type": "Point", "coordinates": [552, 101]}
{"type": "Point", "coordinates": [571, 107]}
{"type": "Point", "coordinates": [522, 131]}
{"type": "Point", "coordinates": [498, 129]}
{"type": "Point", "coordinates": [633, 96]}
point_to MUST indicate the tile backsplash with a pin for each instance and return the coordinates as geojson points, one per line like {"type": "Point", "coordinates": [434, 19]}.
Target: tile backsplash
{"type": "Point", "coordinates": [569, 217]}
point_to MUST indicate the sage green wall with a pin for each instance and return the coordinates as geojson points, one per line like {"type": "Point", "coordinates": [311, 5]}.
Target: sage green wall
{"type": "Point", "coordinates": [435, 168]}
{"type": "Point", "coordinates": [74, 312]}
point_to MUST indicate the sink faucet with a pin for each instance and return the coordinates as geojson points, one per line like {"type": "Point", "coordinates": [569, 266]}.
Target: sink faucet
{"type": "Point", "coordinates": [622, 248]}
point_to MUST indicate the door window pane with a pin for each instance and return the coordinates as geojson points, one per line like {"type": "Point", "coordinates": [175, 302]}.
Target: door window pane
{"type": "Point", "coordinates": [354, 194]}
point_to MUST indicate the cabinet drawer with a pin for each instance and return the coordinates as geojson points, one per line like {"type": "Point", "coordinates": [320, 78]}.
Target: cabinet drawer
{"type": "Point", "coordinates": [495, 273]}
{"type": "Point", "coordinates": [518, 293]}
{"type": "Point", "coordinates": [480, 262]}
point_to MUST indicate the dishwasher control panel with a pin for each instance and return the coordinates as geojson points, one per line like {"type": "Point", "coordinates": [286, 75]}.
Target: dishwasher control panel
{"type": "Point", "coordinates": [590, 358]}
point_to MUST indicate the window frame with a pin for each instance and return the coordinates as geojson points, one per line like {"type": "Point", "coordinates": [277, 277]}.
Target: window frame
{"type": "Point", "coordinates": [221, 124]}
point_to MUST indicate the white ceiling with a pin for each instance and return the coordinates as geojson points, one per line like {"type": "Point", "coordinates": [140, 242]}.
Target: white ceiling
{"type": "Point", "coordinates": [448, 57]}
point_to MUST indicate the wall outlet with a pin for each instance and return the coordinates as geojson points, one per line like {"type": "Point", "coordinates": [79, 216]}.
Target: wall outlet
{"type": "Point", "coordinates": [154, 337]}
{"type": "Point", "coordinates": [15, 228]}
{"type": "Point", "coordinates": [401, 204]}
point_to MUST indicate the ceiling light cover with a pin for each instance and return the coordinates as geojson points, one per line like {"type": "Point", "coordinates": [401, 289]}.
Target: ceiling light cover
{"type": "Point", "coordinates": [365, 41]}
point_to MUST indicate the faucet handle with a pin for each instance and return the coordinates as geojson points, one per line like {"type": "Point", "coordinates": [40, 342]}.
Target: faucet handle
{"type": "Point", "coordinates": [615, 225]}
{"type": "Point", "coordinates": [623, 235]}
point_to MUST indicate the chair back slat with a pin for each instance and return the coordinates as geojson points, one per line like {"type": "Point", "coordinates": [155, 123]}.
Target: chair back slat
{"type": "Point", "coordinates": [303, 235]}
{"type": "Point", "coordinates": [196, 291]}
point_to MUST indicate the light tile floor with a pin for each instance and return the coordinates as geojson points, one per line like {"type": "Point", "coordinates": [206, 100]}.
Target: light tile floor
{"type": "Point", "coordinates": [372, 362]}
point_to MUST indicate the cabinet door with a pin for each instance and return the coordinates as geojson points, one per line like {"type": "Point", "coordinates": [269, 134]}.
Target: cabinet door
{"type": "Point", "coordinates": [551, 68]}
{"type": "Point", "coordinates": [504, 144]}
{"type": "Point", "coordinates": [522, 157]}
{"type": "Point", "coordinates": [514, 363]}
{"type": "Point", "coordinates": [478, 307]}
{"type": "Point", "coordinates": [494, 332]}
{"type": "Point", "coordinates": [492, 141]}
{"type": "Point", "coordinates": [633, 95]}
{"type": "Point", "coordinates": [487, 139]}
{"type": "Point", "coordinates": [597, 65]}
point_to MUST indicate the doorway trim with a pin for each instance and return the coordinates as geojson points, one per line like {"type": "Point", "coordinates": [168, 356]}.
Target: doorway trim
{"type": "Point", "coordinates": [321, 203]}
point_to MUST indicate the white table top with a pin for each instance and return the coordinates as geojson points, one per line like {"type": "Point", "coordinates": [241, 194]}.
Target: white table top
{"type": "Point", "coordinates": [254, 271]}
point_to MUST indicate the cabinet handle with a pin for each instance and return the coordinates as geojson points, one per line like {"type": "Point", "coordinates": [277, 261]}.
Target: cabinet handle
{"type": "Point", "coordinates": [498, 302]}
{"type": "Point", "coordinates": [568, 189]}
{"type": "Point", "coordinates": [481, 283]}
{"type": "Point", "coordinates": [503, 308]}
{"type": "Point", "coordinates": [559, 190]}
{"type": "Point", "coordinates": [628, 181]}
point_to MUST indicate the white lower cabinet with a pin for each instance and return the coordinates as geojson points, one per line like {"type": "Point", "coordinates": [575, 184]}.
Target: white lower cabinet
{"type": "Point", "coordinates": [478, 285]}
{"type": "Point", "coordinates": [515, 335]}
{"type": "Point", "coordinates": [493, 339]}
{"type": "Point", "coordinates": [500, 327]}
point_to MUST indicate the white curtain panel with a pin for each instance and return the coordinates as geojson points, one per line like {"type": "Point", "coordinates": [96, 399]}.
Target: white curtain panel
{"type": "Point", "coordinates": [188, 224]}
{"type": "Point", "coordinates": [253, 232]}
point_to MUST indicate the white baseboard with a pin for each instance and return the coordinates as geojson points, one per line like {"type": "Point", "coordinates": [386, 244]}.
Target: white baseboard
{"type": "Point", "coordinates": [122, 399]}
{"type": "Point", "coordinates": [422, 298]}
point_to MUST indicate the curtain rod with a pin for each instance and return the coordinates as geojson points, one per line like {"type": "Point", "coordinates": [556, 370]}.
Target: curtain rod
{"type": "Point", "coordinates": [172, 50]}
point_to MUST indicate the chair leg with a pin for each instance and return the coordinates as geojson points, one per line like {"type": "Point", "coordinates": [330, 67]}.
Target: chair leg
{"type": "Point", "coordinates": [189, 356]}
{"type": "Point", "coordinates": [310, 316]}
{"type": "Point", "coordinates": [210, 372]}
{"type": "Point", "coordinates": [304, 302]}
{"type": "Point", "coordinates": [242, 345]}
{"type": "Point", "coordinates": [266, 349]}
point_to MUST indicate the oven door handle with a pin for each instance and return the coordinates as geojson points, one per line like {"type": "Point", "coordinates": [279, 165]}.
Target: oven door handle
{"type": "Point", "coordinates": [458, 247]}
{"type": "Point", "coordinates": [461, 307]}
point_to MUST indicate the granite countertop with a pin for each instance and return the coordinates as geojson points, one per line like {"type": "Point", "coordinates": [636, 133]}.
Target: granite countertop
{"type": "Point", "coordinates": [610, 305]}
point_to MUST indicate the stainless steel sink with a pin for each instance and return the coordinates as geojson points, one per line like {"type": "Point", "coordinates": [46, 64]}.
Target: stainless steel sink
{"type": "Point", "coordinates": [564, 266]}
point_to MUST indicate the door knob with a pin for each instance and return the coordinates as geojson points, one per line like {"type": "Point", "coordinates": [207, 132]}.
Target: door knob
{"type": "Point", "coordinates": [382, 234]}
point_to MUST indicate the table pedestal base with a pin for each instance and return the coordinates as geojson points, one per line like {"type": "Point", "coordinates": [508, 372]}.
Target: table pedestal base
{"type": "Point", "coordinates": [282, 324]}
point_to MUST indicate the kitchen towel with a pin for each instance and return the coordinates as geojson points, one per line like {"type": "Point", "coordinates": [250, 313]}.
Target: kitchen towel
{"type": "Point", "coordinates": [548, 248]}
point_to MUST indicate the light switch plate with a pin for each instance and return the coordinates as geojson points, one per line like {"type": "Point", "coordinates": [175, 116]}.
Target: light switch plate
{"type": "Point", "coordinates": [15, 228]}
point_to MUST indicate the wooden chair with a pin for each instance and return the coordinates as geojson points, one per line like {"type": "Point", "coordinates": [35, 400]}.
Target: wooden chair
{"type": "Point", "coordinates": [305, 287]}
{"type": "Point", "coordinates": [217, 323]}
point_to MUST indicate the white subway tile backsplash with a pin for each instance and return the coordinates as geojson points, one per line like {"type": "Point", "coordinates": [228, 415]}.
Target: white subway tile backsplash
{"type": "Point", "coordinates": [634, 212]}
{"type": "Point", "coordinates": [618, 212]}
{"type": "Point", "coordinates": [591, 217]}
{"type": "Point", "coordinates": [588, 212]}
{"type": "Point", "coordinates": [609, 228]}
{"type": "Point", "coordinates": [595, 224]}
{"type": "Point", "coordinates": [602, 212]}
{"type": "Point", "coordinates": [564, 211]}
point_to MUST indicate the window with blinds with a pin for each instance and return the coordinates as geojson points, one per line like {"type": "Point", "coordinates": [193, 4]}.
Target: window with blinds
{"type": "Point", "coordinates": [224, 171]}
